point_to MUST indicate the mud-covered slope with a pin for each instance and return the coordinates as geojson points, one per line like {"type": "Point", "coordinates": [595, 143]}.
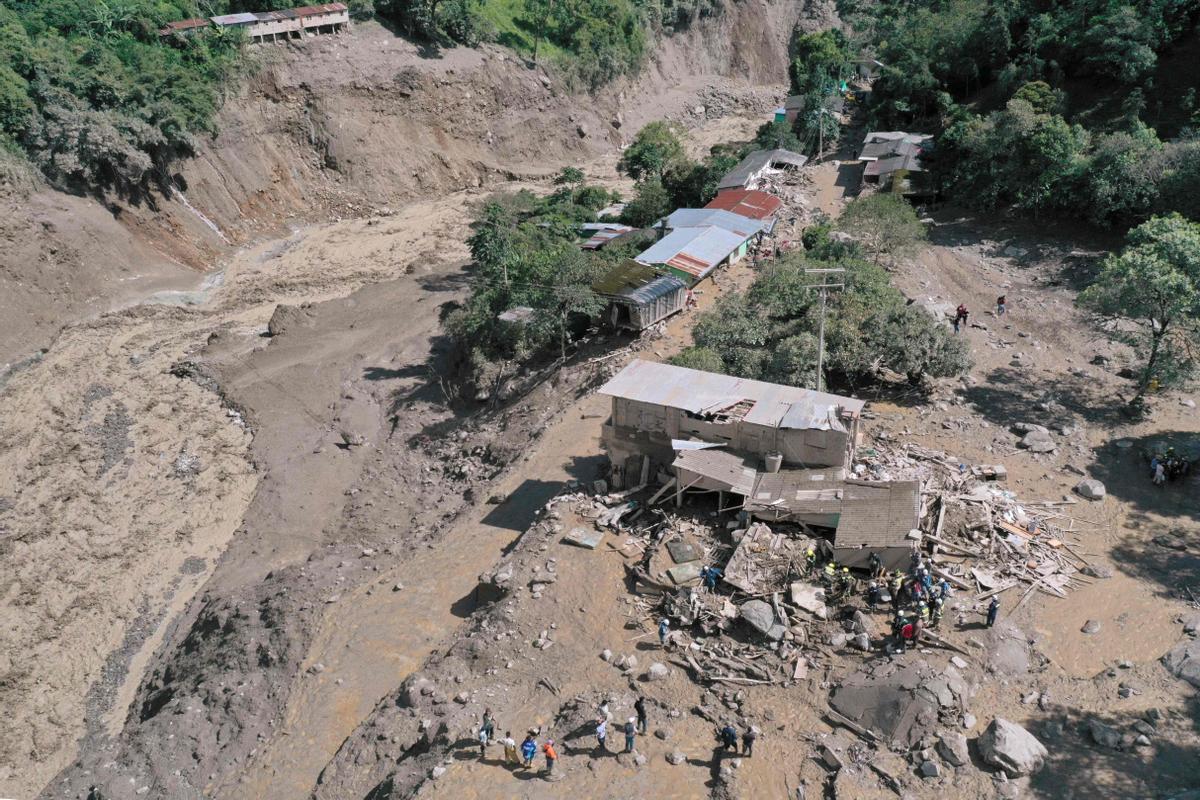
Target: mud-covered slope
{"type": "Point", "coordinates": [329, 129]}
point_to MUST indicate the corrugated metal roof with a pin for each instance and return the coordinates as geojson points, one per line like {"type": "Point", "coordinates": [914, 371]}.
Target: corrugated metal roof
{"type": "Point", "coordinates": [724, 470]}
{"type": "Point", "coordinates": [717, 218]}
{"type": "Point", "coordinates": [327, 8]}
{"type": "Point", "coordinates": [638, 282]}
{"type": "Point", "coordinates": [234, 19]}
{"type": "Point", "coordinates": [752, 165]}
{"type": "Point", "coordinates": [602, 233]}
{"type": "Point", "coordinates": [184, 25]}
{"type": "Point", "coordinates": [695, 251]}
{"type": "Point", "coordinates": [693, 390]}
{"type": "Point", "coordinates": [886, 166]}
{"type": "Point", "coordinates": [747, 203]}
{"type": "Point", "coordinates": [878, 514]}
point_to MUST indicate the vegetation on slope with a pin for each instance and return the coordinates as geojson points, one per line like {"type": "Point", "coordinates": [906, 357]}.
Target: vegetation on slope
{"type": "Point", "coordinates": [1083, 109]}
{"type": "Point", "coordinates": [93, 98]}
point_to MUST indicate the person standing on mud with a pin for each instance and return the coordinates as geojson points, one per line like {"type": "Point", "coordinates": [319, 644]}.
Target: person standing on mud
{"type": "Point", "coordinates": [1001, 305]}
{"type": "Point", "coordinates": [602, 734]}
{"type": "Point", "coordinates": [528, 750]}
{"type": "Point", "coordinates": [510, 749]}
{"type": "Point", "coordinates": [664, 629]}
{"type": "Point", "coordinates": [486, 731]}
{"type": "Point", "coordinates": [748, 741]}
{"type": "Point", "coordinates": [960, 316]}
{"type": "Point", "coordinates": [640, 708]}
{"type": "Point", "coordinates": [630, 733]}
{"type": "Point", "coordinates": [551, 756]}
{"type": "Point", "coordinates": [729, 738]}
{"type": "Point", "coordinates": [993, 610]}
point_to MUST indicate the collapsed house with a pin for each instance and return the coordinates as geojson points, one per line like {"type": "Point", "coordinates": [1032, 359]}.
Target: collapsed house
{"type": "Point", "coordinates": [269, 26]}
{"type": "Point", "coordinates": [754, 167]}
{"type": "Point", "coordinates": [778, 453]}
{"type": "Point", "coordinates": [748, 203]}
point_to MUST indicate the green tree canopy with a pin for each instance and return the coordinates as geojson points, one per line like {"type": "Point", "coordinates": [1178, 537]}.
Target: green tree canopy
{"type": "Point", "coordinates": [655, 149]}
{"type": "Point", "coordinates": [1149, 296]}
{"type": "Point", "coordinates": [885, 225]}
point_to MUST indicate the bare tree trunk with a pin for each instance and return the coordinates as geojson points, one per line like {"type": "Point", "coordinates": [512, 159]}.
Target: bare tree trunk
{"type": "Point", "coordinates": [1156, 336]}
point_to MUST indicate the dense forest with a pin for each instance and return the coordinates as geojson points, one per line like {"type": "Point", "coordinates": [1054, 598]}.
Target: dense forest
{"type": "Point", "coordinates": [1081, 109]}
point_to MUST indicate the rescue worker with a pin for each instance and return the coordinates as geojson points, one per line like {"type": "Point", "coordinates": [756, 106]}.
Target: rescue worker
{"type": "Point", "coordinates": [664, 628]}
{"type": "Point", "coordinates": [872, 594]}
{"type": "Point", "coordinates": [875, 565]}
{"type": "Point", "coordinates": [551, 756]}
{"type": "Point", "coordinates": [810, 560]}
{"type": "Point", "coordinates": [993, 610]}
{"type": "Point", "coordinates": [936, 610]}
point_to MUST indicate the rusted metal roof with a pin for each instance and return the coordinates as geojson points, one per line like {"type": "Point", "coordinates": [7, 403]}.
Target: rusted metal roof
{"type": "Point", "coordinates": [602, 233]}
{"type": "Point", "coordinates": [747, 203]}
{"type": "Point", "coordinates": [695, 251]}
{"type": "Point", "coordinates": [636, 282]}
{"type": "Point", "coordinates": [693, 390]}
{"type": "Point", "coordinates": [183, 25]}
{"type": "Point", "coordinates": [326, 8]}
{"type": "Point", "coordinates": [878, 514]}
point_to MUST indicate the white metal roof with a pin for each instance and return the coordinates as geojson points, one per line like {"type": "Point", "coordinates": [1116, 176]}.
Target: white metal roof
{"type": "Point", "coordinates": [744, 227]}
{"type": "Point", "coordinates": [775, 405]}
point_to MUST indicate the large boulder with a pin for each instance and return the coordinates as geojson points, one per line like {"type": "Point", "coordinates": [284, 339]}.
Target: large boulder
{"type": "Point", "coordinates": [1090, 488]}
{"type": "Point", "coordinates": [761, 616]}
{"type": "Point", "coordinates": [1037, 442]}
{"type": "Point", "coordinates": [1183, 660]}
{"type": "Point", "coordinates": [1011, 748]}
{"type": "Point", "coordinates": [809, 598]}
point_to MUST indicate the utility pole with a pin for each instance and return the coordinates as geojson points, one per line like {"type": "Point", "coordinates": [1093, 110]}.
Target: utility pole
{"type": "Point", "coordinates": [824, 287]}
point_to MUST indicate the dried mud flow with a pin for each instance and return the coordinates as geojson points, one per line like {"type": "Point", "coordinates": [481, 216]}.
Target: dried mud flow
{"type": "Point", "coordinates": [191, 510]}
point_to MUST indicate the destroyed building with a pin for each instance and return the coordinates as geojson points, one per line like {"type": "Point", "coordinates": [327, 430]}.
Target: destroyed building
{"type": "Point", "coordinates": [779, 453]}
{"type": "Point", "coordinates": [657, 406]}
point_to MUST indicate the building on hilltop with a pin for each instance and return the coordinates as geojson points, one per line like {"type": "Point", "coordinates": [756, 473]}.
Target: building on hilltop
{"type": "Point", "coordinates": [271, 26]}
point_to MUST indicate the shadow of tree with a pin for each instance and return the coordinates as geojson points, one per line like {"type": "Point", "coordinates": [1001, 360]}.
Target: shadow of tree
{"type": "Point", "coordinates": [1008, 396]}
{"type": "Point", "coordinates": [1125, 472]}
{"type": "Point", "coordinates": [1079, 768]}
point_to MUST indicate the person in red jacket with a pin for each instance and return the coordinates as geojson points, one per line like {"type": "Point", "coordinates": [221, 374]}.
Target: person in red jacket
{"type": "Point", "coordinates": [551, 756]}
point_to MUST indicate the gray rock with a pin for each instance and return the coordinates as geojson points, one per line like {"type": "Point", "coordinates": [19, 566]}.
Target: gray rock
{"type": "Point", "coordinates": [952, 747]}
{"type": "Point", "coordinates": [862, 642]}
{"type": "Point", "coordinates": [1012, 748]}
{"type": "Point", "coordinates": [1097, 571]}
{"type": "Point", "coordinates": [1030, 427]}
{"type": "Point", "coordinates": [1104, 735]}
{"type": "Point", "coordinates": [1037, 442]}
{"type": "Point", "coordinates": [1090, 488]}
{"type": "Point", "coordinates": [968, 721]}
{"type": "Point", "coordinates": [930, 769]}
{"type": "Point", "coordinates": [657, 672]}
{"type": "Point", "coordinates": [1091, 626]}
{"type": "Point", "coordinates": [676, 757]}
{"type": "Point", "coordinates": [1192, 624]}
{"type": "Point", "coordinates": [1183, 661]}
{"type": "Point", "coordinates": [760, 616]}
{"type": "Point", "coordinates": [1187, 402]}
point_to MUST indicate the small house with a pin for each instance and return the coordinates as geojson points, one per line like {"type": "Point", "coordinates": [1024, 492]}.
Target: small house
{"type": "Point", "coordinates": [639, 296]}
{"type": "Point", "coordinates": [601, 233]}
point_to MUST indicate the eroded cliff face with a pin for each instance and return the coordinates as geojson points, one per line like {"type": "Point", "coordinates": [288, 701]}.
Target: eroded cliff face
{"type": "Point", "coordinates": [337, 126]}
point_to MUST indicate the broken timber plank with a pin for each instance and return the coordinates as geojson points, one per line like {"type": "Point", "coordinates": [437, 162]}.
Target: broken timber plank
{"type": "Point", "coordinates": [665, 488]}
{"type": "Point", "coordinates": [941, 573]}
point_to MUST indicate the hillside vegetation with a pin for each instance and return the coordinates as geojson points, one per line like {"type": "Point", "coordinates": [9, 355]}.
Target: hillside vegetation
{"type": "Point", "coordinates": [1083, 109]}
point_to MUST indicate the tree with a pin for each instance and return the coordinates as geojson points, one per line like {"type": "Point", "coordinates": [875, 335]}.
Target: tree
{"type": "Point", "coordinates": [701, 358]}
{"type": "Point", "coordinates": [569, 176]}
{"type": "Point", "coordinates": [650, 202]}
{"type": "Point", "coordinates": [821, 62]}
{"type": "Point", "coordinates": [885, 224]}
{"type": "Point", "coordinates": [1149, 296]}
{"type": "Point", "coordinates": [655, 150]}
{"type": "Point", "coordinates": [1041, 98]}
